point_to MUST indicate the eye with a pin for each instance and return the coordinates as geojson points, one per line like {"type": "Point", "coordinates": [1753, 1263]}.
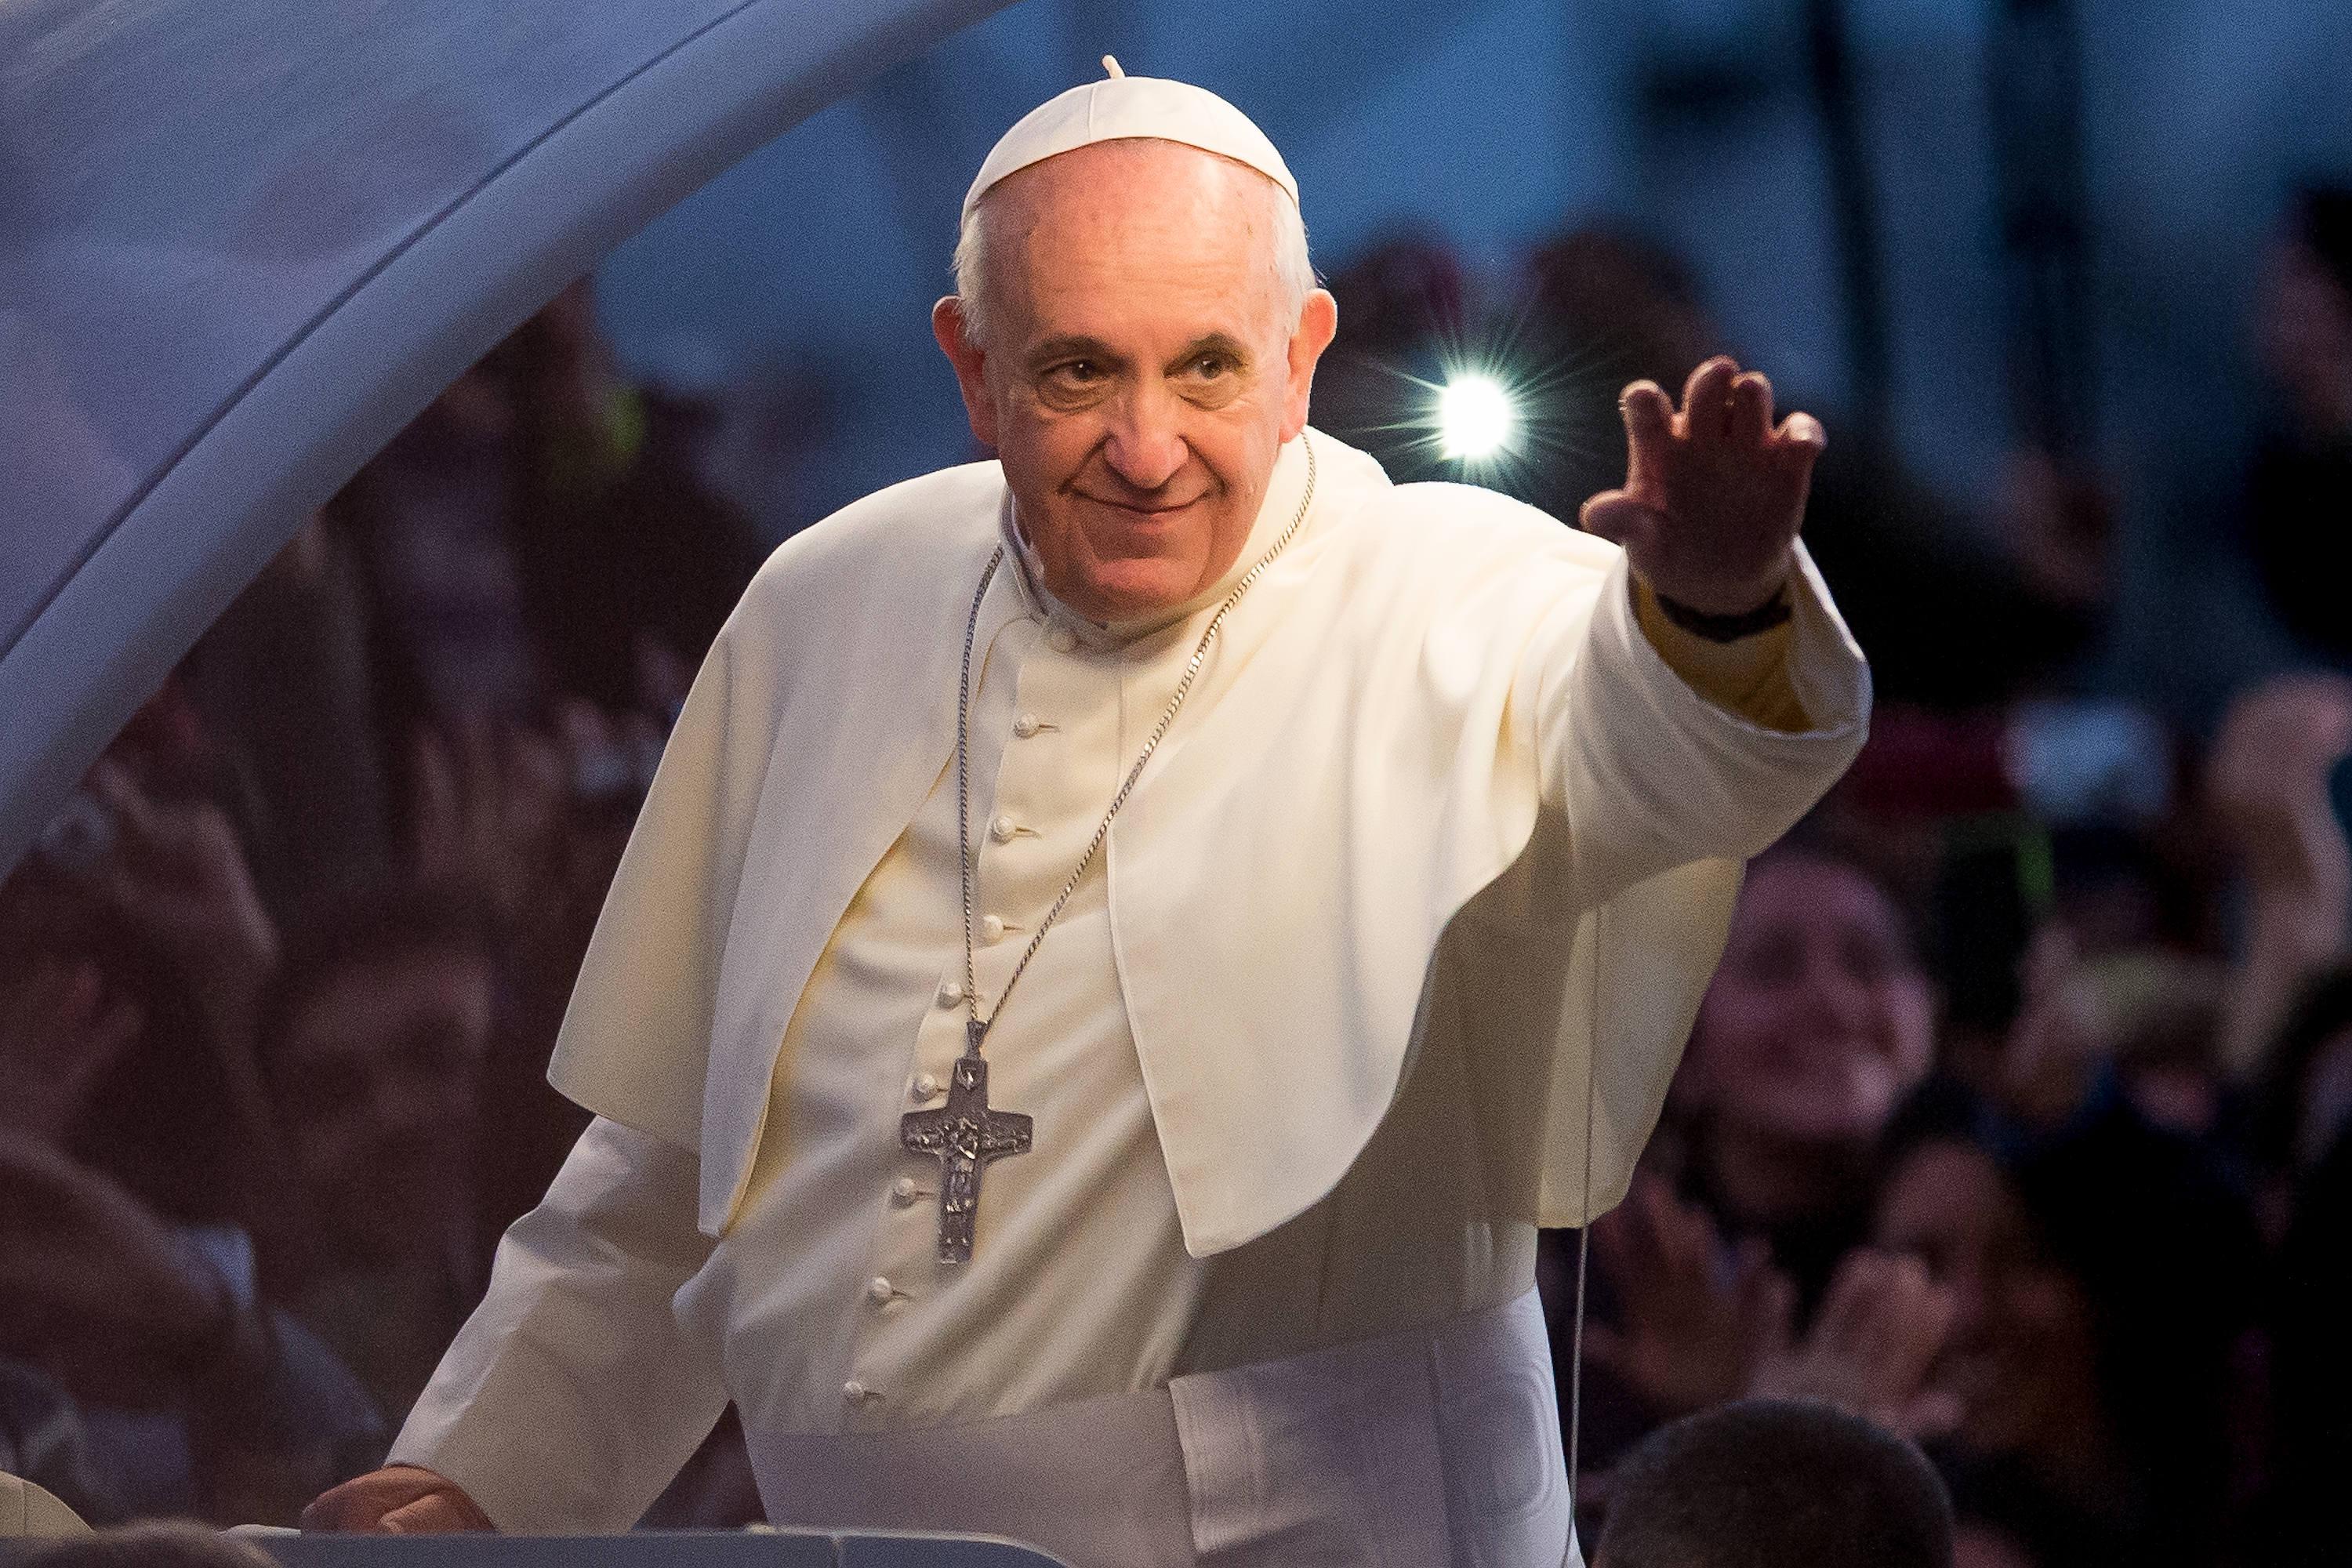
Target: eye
{"type": "Point", "coordinates": [1210, 366]}
{"type": "Point", "coordinates": [1077, 372]}
{"type": "Point", "coordinates": [1867, 959]}
{"type": "Point", "coordinates": [1776, 958]}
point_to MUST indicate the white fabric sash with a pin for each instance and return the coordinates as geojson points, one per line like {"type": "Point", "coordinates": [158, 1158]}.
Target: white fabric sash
{"type": "Point", "coordinates": [1435, 1446]}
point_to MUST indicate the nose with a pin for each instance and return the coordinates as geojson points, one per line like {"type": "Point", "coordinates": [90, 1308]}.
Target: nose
{"type": "Point", "coordinates": [1835, 996]}
{"type": "Point", "coordinates": [1145, 447]}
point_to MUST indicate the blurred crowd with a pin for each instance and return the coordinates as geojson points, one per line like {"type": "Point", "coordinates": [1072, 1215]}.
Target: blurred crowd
{"type": "Point", "coordinates": [2018, 1120]}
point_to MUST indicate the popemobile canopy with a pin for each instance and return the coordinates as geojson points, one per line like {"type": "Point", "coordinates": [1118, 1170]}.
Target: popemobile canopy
{"type": "Point", "coordinates": [243, 243]}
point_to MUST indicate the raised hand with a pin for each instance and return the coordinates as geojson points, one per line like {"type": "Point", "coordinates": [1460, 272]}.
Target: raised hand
{"type": "Point", "coordinates": [1696, 1324]}
{"type": "Point", "coordinates": [2268, 783]}
{"type": "Point", "coordinates": [488, 814]}
{"type": "Point", "coordinates": [63, 1025]}
{"type": "Point", "coordinates": [399, 1500]}
{"type": "Point", "coordinates": [1714, 491]}
{"type": "Point", "coordinates": [177, 876]}
{"type": "Point", "coordinates": [177, 879]}
{"type": "Point", "coordinates": [1879, 1330]}
{"type": "Point", "coordinates": [97, 1287]}
{"type": "Point", "coordinates": [2267, 788]}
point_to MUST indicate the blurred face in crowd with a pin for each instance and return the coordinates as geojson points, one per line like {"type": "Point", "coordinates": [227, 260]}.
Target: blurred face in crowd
{"type": "Point", "coordinates": [2304, 326]}
{"type": "Point", "coordinates": [1820, 1019]}
{"type": "Point", "coordinates": [70, 1009]}
{"type": "Point", "coordinates": [2022, 1348]}
{"type": "Point", "coordinates": [2327, 1109]}
{"type": "Point", "coordinates": [376, 1072]}
{"type": "Point", "coordinates": [1140, 365]}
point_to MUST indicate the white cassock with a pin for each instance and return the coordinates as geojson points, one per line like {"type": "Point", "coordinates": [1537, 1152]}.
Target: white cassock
{"type": "Point", "coordinates": [1426, 879]}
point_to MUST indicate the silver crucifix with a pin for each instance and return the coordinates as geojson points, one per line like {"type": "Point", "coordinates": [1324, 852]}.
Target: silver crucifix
{"type": "Point", "coordinates": [965, 1135]}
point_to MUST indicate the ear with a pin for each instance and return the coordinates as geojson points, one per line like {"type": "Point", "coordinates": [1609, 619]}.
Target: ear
{"type": "Point", "coordinates": [1319, 319]}
{"type": "Point", "coordinates": [971, 367]}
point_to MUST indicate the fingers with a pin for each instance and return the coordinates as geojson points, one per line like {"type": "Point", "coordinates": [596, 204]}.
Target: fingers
{"type": "Point", "coordinates": [1623, 1248]}
{"type": "Point", "coordinates": [1880, 1328]}
{"type": "Point", "coordinates": [1777, 1315]}
{"type": "Point", "coordinates": [445, 1512]}
{"type": "Point", "coordinates": [121, 793]}
{"type": "Point", "coordinates": [1749, 420]}
{"type": "Point", "coordinates": [1923, 1312]}
{"type": "Point", "coordinates": [1855, 1291]}
{"type": "Point", "coordinates": [1721, 403]}
{"type": "Point", "coordinates": [150, 831]}
{"type": "Point", "coordinates": [399, 1500]}
{"type": "Point", "coordinates": [1649, 416]}
{"type": "Point", "coordinates": [362, 1503]}
{"type": "Point", "coordinates": [1800, 440]}
{"type": "Point", "coordinates": [1768, 1303]}
{"type": "Point", "coordinates": [1685, 1235]}
{"type": "Point", "coordinates": [1707, 399]}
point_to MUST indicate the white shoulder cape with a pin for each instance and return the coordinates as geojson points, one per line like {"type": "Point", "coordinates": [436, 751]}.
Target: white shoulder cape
{"type": "Point", "coordinates": [1446, 696]}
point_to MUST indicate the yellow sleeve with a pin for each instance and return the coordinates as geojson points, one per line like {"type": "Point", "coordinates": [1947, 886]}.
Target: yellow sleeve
{"type": "Point", "coordinates": [1750, 678]}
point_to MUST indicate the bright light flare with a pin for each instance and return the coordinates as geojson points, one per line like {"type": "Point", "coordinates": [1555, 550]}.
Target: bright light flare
{"type": "Point", "coordinates": [1475, 417]}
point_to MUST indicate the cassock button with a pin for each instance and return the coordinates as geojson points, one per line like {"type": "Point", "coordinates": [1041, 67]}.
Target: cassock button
{"type": "Point", "coordinates": [949, 993]}
{"type": "Point", "coordinates": [1003, 828]}
{"type": "Point", "coordinates": [924, 1087]}
{"type": "Point", "coordinates": [1027, 725]}
{"type": "Point", "coordinates": [853, 1391]}
{"type": "Point", "coordinates": [1062, 639]}
{"type": "Point", "coordinates": [991, 928]}
{"type": "Point", "coordinates": [879, 1290]}
{"type": "Point", "coordinates": [904, 1191]}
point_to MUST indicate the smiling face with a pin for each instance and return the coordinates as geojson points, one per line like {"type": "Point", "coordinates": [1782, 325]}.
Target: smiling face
{"type": "Point", "coordinates": [2018, 1362]}
{"type": "Point", "coordinates": [377, 1072]}
{"type": "Point", "coordinates": [1820, 1019]}
{"type": "Point", "coordinates": [1141, 370]}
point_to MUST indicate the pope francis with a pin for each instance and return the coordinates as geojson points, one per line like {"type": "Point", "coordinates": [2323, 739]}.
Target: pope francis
{"type": "Point", "coordinates": [1129, 940]}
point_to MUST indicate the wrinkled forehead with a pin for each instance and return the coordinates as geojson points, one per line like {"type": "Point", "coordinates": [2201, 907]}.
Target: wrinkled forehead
{"type": "Point", "coordinates": [1821, 897]}
{"type": "Point", "coordinates": [1141, 209]}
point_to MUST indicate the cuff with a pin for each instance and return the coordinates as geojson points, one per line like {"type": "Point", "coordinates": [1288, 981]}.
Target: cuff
{"type": "Point", "coordinates": [1807, 678]}
{"type": "Point", "coordinates": [1749, 675]}
{"type": "Point", "coordinates": [1683, 776]}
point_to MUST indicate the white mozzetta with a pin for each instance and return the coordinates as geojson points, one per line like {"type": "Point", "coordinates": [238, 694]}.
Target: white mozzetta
{"type": "Point", "coordinates": [1437, 842]}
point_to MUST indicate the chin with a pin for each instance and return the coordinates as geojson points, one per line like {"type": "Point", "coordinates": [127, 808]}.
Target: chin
{"type": "Point", "coordinates": [1816, 1115]}
{"type": "Point", "coordinates": [1131, 588]}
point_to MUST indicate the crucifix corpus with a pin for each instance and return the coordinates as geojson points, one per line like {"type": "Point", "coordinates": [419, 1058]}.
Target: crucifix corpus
{"type": "Point", "coordinates": [965, 1135]}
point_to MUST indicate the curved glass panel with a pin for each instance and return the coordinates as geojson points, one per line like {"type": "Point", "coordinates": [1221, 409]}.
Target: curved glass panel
{"type": "Point", "coordinates": [240, 243]}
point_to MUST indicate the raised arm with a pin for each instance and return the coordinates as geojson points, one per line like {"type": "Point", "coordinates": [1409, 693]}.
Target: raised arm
{"type": "Point", "coordinates": [1714, 694]}
{"type": "Point", "coordinates": [571, 1396]}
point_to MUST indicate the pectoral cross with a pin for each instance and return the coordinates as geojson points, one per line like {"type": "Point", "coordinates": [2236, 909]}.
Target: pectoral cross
{"type": "Point", "coordinates": [965, 1135]}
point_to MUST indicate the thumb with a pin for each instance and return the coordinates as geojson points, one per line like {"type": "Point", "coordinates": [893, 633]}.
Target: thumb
{"type": "Point", "coordinates": [1616, 516]}
{"type": "Point", "coordinates": [403, 1499]}
{"type": "Point", "coordinates": [442, 1511]}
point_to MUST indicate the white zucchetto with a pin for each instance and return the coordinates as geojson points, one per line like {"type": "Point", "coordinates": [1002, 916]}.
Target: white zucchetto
{"type": "Point", "coordinates": [1122, 107]}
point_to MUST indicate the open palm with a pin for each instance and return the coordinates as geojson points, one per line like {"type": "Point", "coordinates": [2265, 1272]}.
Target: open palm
{"type": "Point", "coordinates": [1714, 491]}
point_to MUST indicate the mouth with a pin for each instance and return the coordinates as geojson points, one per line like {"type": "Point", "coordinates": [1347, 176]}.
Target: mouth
{"type": "Point", "coordinates": [1145, 509]}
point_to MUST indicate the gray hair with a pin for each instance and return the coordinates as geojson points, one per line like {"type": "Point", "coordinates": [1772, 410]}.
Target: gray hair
{"type": "Point", "coordinates": [1294, 270]}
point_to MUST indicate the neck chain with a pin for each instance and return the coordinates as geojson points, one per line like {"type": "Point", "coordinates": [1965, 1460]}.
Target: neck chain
{"type": "Point", "coordinates": [976, 1030]}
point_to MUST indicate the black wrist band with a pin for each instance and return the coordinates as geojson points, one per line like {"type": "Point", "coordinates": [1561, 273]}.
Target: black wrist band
{"type": "Point", "coordinates": [1773, 612]}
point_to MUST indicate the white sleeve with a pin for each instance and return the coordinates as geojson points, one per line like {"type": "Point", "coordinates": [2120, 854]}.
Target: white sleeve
{"type": "Point", "coordinates": [1650, 775]}
{"type": "Point", "coordinates": [570, 1397]}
